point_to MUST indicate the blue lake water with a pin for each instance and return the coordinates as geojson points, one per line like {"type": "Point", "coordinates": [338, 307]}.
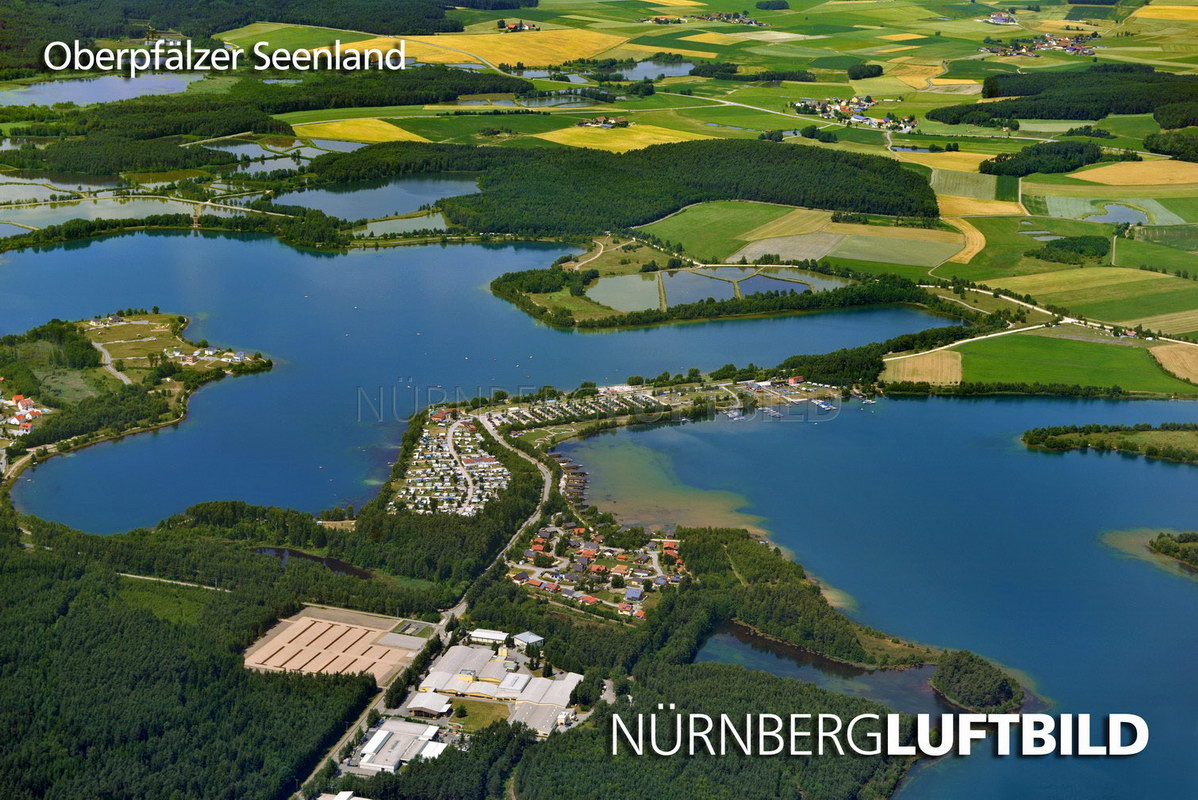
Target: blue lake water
{"type": "Point", "coordinates": [944, 529]}
{"type": "Point", "coordinates": [397, 322]}
{"type": "Point", "coordinates": [383, 197]}
{"type": "Point", "coordinates": [761, 283]}
{"type": "Point", "coordinates": [104, 89]}
{"type": "Point", "coordinates": [687, 287]}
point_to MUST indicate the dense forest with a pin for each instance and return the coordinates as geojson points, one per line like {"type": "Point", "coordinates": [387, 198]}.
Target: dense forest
{"type": "Point", "coordinates": [573, 191]}
{"type": "Point", "coordinates": [1181, 144]}
{"type": "Point", "coordinates": [307, 228]}
{"type": "Point", "coordinates": [1182, 546]}
{"type": "Point", "coordinates": [130, 135]}
{"type": "Point", "coordinates": [580, 766]}
{"type": "Point", "coordinates": [1177, 115]}
{"type": "Point", "coordinates": [1093, 93]}
{"type": "Point", "coordinates": [1044, 157]}
{"type": "Point", "coordinates": [108, 692]}
{"type": "Point", "coordinates": [1073, 249]}
{"type": "Point", "coordinates": [28, 25]}
{"type": "Point", "coordinates": [971, 681]}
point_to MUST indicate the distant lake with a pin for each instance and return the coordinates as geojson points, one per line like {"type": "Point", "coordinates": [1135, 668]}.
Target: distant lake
{"type": "Point", "coordinates": [103, 89]}
{"type": "Point", "coordinates": [382, 197]}
{"type": "Point", "coordinates": [354, 337]}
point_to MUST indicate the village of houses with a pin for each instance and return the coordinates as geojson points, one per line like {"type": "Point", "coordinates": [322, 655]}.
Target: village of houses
{"type": "Point", "coordinates": [450, 472]}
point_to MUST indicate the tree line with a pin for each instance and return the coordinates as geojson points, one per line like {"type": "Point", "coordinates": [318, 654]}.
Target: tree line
{"type": "Point", "coordinates": [1092, 93]}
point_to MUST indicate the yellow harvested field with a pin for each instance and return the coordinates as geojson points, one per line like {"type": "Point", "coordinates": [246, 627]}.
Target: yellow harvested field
{"type": "Point", "coordinates": [901, 37]}
{"type": "Point", "coordinates": [357, 130]}
{"type": "Point", "coordinates": [1177, 322]}
{"type": "Point", "coordinates": [1131, 173]}
{"type": "Point", "coordinates": [799, 221]}
{"type": "Point", "coordinates": [894, 232]}
{"type": "Point", "coordinates": [644, 48]}
{"type": "Point", "coordinates": [1180, 13]}
{"type": "Point", "coordinates": [898, 49]}
{"type": "Point", "coordinates": [1180, 359]}
{"type": "Point", "coordinates": [681, 4]}
{"type": "Point", "coordinates": [713, 38]}
{"type": "Point", "coordinates": [1076, 279]}
{"type": "Point", "coordinates": [975, 240]}
{"type": "Point", "coordinates": [954, 206]}
{"type": "Point", "coordinates": [530, 47]}
{"type": "Point", "coordinates": [960, 161]}
{"type": "Point", "coordinates": [916, 75]}
{"type": "Point", "coordinates": [943, 366]}
{"type": "Point", "coordinates": [953, 82]}
{"type": "Point", "coordinates": [618, 140]}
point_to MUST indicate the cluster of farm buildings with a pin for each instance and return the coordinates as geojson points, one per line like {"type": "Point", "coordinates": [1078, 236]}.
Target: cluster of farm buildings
{"type": "Point", "coordinates": [604, 122]}
{"type": "Point", "coordinates": [450, 471]}
{"type": "Point", "coordinates": [1077, 45]}
{"type": "Point", "coordinates": [853, 109]}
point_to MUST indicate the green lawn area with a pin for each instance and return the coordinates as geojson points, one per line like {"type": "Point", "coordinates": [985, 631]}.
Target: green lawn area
{"type": "Point", "coordinates": [711, 230]}
{"type": "Point", "coordinates": [479, 714]}
{"type": "Point", "coordinates": [330, 114]}
{"type": "Point", "coordinates": [1032, 358]}
{"type": "Point", "coordinates": [289, 37]}
{"type": "Point", "coordinates": [180, 604]}
{"type": "Point", "coordinates": [1007, 239]}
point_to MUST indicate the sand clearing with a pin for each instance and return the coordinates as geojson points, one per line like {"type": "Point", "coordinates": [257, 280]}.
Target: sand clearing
{"type": "Point", "coordinates": [1179, 359]}
{"type": "Point", "coordinates": [953, 206]}
{"type": "Point", "coordinates": [1132, 173]}
{"type": "Point", "coordinates": [357, 130]}
{"type": "Point", "coordinates": [943, 366]}
{"type": "Point", "coordinates": [902, 37]}
{"type": "Point", "coordinates": [975, 241]}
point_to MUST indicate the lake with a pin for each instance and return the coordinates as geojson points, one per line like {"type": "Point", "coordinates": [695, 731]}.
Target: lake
{"type": "Point", "coordinates": [103, 89]}
{"type": "Point", "coordinates": [939, 526]}
{"type": "Point", "coordinates": [409, 324]}
{"type": "Point", "coordinates": [382, 197]}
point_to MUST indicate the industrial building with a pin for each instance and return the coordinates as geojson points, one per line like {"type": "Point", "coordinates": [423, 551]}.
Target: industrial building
{"type": "Point", "coordinates": [396, 742]}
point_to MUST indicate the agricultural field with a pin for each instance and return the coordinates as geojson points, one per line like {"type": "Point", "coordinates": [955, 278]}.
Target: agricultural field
{"type": "Point", "coordinates": [1036, 357]}
{"type": "Point", "coordinates": [941, 367]}
{"type": "Point", "coordinates": [289, 37]}
{"type": "Point", "coordinates": [733, 230]}
{"type": "Point", "coordinates": [617, 140]}
{"type": "Point", "coordinates": [357, 130]}
{"type": "Point", "coordinates": [1009, 238]}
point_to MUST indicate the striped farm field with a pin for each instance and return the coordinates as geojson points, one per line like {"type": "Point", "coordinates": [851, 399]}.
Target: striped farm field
{"type": "Point", "coordinates": [357, 130]}
{"type": "Point", "coordinates": [1178, 322]}
{"type": "Point", "coordinates": [1177, 13]}
{"type": "Point", "coordinates": [618, 140]}
{"type": "Point", "coordinates": [960, 161]}
{"type": "Point", "coordinates": [1114, 294]}
{"type": "Point", "coordinates": [1178, 359]}
{"type": "Point", "coordinates": [530, 47]}
{"type": "Point", "coordinates": [1159, 191]}
{"type": "Point", "coordinates": [941, 367]}
{"type": "Point", "coordinates": [800, 220]}
{"type": "Point", "coordinates": [975, 240]}
{"type": "Point", "coordinates": [895, 251]}
{"type": "Point", "coordinates": [964, 184]}
{"type": "Point", "coordinates": [956, 206]}
{"type": "Point", "coordinates": [1133, 173]}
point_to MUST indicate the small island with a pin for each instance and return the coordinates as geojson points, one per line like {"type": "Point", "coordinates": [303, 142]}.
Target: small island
{"type": "Point", "coordinates": [971, 682]}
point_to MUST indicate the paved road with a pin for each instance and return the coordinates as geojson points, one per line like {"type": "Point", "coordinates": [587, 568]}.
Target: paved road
{"type": "Point", "coordinates": [106, 362]}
